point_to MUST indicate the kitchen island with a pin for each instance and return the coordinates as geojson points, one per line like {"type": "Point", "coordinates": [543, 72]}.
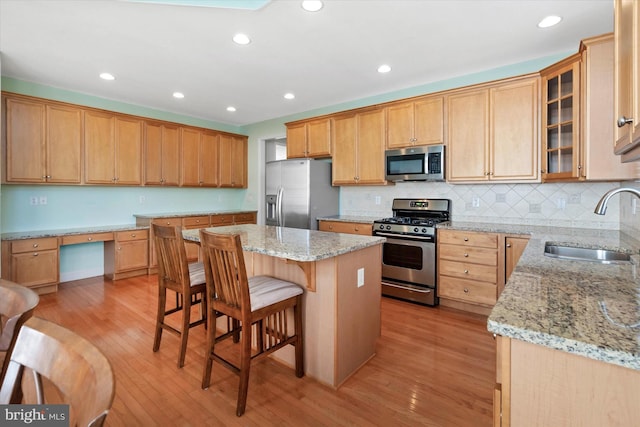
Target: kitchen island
{"type": "Point", "coordinates": [568, 332]}
{"type": "Point", "coordinates": [341, 275]}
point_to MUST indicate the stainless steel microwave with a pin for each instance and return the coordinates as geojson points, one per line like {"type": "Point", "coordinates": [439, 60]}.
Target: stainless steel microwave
{"type": "Point", "coordinates": [424, 163]}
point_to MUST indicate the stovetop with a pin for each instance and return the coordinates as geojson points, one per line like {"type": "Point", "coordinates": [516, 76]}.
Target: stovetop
{"type": "Point", "coordinates": [416, 217]}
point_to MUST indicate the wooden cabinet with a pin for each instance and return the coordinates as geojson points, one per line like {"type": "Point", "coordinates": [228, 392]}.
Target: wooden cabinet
{"type": "Point", "coordinates": [43, 142]}
{"type": "Point", "coordinates": [627, 79]}
{"type": "Point", "coordinates": [162, 154]}
{"type": "Point", "coordinates": [514, 247]}
{"type": "Point", "coordinates": [127, 255]}
{"type": "Point", "coordinates": [492, 133]}
{"type": "Point", "coordinates": [199, 158]}
{"type": "Point", "coordinates": [309, 139]}
{"type": "Point", "coordinates": [364, 229]}
{"type": "Point", "coordinates": [113, 149]}
{"type": "Point", "coordinates": [417, 122]}
{"type": "Point", "coordinates": [233, 161]}
{"type": "Point", "coordinates": [245, 218]}
{"type": "Point", "coordinates": [469, 267]}
{"type": "Point", "coordinates": [358, 148]}
{"type": "Point", "coordinates": [172, 222]}
{"type": "Point", "coordinates": [540, 386]}
{"type": "Point", "coordinates": [32, 263]}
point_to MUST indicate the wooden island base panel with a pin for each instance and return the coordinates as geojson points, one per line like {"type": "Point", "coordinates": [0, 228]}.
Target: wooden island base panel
{"type": "Point", "coordinates": [341, 320]}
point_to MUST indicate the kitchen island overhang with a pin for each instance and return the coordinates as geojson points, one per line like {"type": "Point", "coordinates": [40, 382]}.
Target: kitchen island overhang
{"type": "Point", "coordinates": [341, 274]}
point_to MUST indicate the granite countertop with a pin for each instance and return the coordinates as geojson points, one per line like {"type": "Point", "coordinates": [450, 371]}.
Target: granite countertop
{"type": "Point", "coordinates": [586, 308]}
{"type": "Point", "coordinates": [35, 234]}
{"type": "Point", "coordinates": [192, 213]}
{"type": "Point", "coordinates": [350, 218]}
{"type": "Point", "coordinates": [292, 243]}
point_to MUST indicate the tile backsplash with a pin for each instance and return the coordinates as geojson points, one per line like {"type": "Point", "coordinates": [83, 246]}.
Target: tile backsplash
{"type": "Point", "coordinates": [562, 204]}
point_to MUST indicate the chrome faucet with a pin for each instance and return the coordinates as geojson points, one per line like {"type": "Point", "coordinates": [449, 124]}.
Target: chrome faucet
{"type": "Point", "coordinates": [601, 207]}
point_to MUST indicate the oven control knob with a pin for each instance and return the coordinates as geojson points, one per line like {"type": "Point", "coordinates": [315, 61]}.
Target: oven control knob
{"type": "Point", "coordinates": [381, 227]}
{"type": "Point", "coordinates": [415, 230]}
{"type": "Point", "coordinates": [388, 227]}
{"type": "Point", "coordinates": [424, 230]}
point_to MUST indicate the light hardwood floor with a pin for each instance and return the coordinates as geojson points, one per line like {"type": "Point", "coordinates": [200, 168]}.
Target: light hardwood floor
{"type": "Point", "coordinates": [433, 367]}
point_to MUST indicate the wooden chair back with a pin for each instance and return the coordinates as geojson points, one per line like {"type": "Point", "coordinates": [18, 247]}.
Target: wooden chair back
{"type": "Point", "coordinates": [230, 291]}
{"type": "Point", "coordinates": [17, 304]}
{"type": "Point", "coordinates": [173, 267]}
{"type": "Point", "coordinates": [79, 371]}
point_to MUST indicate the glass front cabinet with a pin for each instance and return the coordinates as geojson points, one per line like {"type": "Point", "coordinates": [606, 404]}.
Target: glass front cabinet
{"type": "Point", "coordinates": [560, 118]}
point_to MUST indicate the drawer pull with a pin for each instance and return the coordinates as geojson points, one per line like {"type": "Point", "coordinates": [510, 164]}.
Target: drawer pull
{"type": "Point", "coordinates": [35, 254]}
{"type": "Point", "coordinates": [466, 239]}
{"type": "Point", "coordinates": [35, 245]}
{"type": "Point", "coordinates": [89, 238]}
{"type": "Point", "coordinates": [133, 235]}
{"type": "Point", "coordinates": [466, 272]}
{"type": "Point", "coordinates": [466, 255]}
{"type": "Point", "coordinates": [466, 290]}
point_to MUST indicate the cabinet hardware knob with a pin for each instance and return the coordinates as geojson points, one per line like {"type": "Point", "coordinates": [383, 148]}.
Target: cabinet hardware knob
{"type": "Point", "coordinates": [466, 239]}
{"type": "Point", "coordinates": [35, 245]}
{"type": "Point", "coordinates": [89, 238]}
{"type": "Point", "coordinates": [622, 120]}
{"type": "Point", "coordinates": [508, 245]}
{"type": "Point", "coordinates": [466, 291]}
{"type": "Point", "coordinates": [466, 272]}
{"type": "Point", "coordinates": [133, 235]}
{"type": "Point", "coordinates": [35, 254]}
{"type": "Point", "coordinates": [466, 255]}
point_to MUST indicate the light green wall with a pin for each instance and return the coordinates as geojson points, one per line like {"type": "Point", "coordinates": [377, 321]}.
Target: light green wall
{"type": "Point", "coordinates": [84, 206]}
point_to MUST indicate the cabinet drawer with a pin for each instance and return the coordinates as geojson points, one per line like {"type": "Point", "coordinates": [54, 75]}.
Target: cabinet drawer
{"type": "Point", "coordinates": [30, 245]}
{"type": "Point", "coordinates": [195, 222]}
{"type": "Point", "coordinates": [468, 238]}
{"type": "Point", "coordinates": [484, 256]}
{"type": "Point", "coordinates": [466, 270]}
{"type": "Point", "coordinates": [218, 220]}
{"type": "Point", "coordinates": [167, 221]}
{"type": "Point", "coordinates": [245, 218]}
{"type": "Point", "coordinates": [467, 290]}
{"type": "Point", "coordinates": [346, 227]}
{"type": "Point", "coordinates": [86, 238]}
{"type": "Point", "coordinates": [131, 235]}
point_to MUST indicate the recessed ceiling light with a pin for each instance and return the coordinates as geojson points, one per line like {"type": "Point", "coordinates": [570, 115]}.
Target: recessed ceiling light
{"type": "Point", "coordinates": [241, 39]}
{"type": "Point", "coordinates": [549, 21]}
{"type": "Point", "coordinates": [107, 76]}
{"type": "Point", "coordinates": [289, 95]}
{"type": "Point", "coordinates": [384, 68]}
{"type": "Point", "coordinates": [231, 109]}
{"type": "Point", "coordinates": [178, 95]}
{"type": "Point", "coordinates": [312, 5]}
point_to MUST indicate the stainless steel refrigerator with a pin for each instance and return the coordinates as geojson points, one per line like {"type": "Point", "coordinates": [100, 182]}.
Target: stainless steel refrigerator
{"type": "Point", "coordinates": [298, 191]}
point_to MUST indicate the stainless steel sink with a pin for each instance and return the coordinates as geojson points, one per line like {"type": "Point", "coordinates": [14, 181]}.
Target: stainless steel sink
{"type": "Point", "coordinates": [603, 256]}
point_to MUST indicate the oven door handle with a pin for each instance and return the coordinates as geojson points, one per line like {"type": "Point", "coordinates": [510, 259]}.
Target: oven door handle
{"type": "Point", "coordinates": [404, 237]}
{"type": "Point", "coordinates": [410, 288]}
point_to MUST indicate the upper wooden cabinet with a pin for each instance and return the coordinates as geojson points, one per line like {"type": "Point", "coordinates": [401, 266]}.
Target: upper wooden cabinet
{"type": "Point", "coordinates": [199, 158]}
{"type": "Point", "coordinates": [627, 79]}
{"type": "Point", "coordinates": [162, 154]}
{"type": "Point", "coordinates": [113, 149]}
{"type": "Point", "coordinates": [43, 142]}
{"type": "Point", "coordinates": [309, 139]}
{"type": "Point", "coordinates": [493, 132]}
{"type": "Point", "coordinates": [358, 148]}
{"type": "Point", "coordinates": [232, 162]}
{"type": "Point", "coordinates": [418, 122]}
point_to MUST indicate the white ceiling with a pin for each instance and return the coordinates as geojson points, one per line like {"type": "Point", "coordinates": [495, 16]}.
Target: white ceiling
{"type": "Point", "coordinates": [326, 58]}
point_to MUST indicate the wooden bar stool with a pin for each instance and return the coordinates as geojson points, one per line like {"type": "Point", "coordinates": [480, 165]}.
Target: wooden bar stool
{"type": "Point", "coordinates": [17, 304]}
{"type": "Point", "coordinates": [82, 375]}
{"type": "Point", "coordinates": [176, 274]}
{"type": "Point", "coordinates": [258, 304]}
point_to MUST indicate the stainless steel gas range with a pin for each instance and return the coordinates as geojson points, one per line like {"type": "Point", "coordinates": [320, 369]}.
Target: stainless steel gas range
{"type": "Point", "coordinates": [409, 254]}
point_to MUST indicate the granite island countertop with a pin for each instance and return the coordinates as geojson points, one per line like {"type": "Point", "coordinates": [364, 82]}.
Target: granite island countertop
{"type": "Point", "coordinates": [580, 307]}
{"type": "Point", "coordinates": [292, 243]}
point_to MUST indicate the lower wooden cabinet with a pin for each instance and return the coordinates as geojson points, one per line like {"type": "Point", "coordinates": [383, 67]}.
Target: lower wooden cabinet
{"type": "Point", "coordinates": [188, 223]}
{"type": "Point", "coordinates": [540, 386]}
{"type": "Point", "coordinates": [33, 263]}
{"type": "Point", "coordinates": [474, 266]}
{"type": "Point", "coordinates": [127, 255]}
{"type": "Point", "coordinates": [364, 229]}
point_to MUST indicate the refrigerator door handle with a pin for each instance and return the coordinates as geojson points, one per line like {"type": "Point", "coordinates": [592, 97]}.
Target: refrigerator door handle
{"type": "Point", "coordinates": [279, 207]}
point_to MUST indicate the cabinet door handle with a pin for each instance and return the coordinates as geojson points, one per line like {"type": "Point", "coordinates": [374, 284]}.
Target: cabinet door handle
{"type": "Point", "coordinates": [466, 291]}
{"type": "Point", "coordinates": [622, 121]}
{"type": "Point", "coordinates": [508, 245]}
{"type": "Point", "coordinates": [466, 272]}
{"type": "Point", "coordinates": [466, 255]}
{"type": "Point", "coordinates": [35, 254]}
{"type": "Point", "coordinates": [466, 239]}
{"type": "Point", "coordinates": [89, 238]}
{"type": "Point", "coordinates": [35, 245]}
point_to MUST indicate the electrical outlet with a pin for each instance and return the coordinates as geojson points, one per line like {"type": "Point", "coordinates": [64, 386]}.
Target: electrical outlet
{"type": "Point", "coordinates": [360, 277]}
{"type": "Point", "coordinates": [561, 203]}
{"type": "Point", "coordinates": [475, 202]}
{"type": "Point", "coordinates": [43, 200]}
{"type": "Point", "coordinates": [33, 200]}
{"type": "Point", "coordinates": [377, 200]}
{"type": "Point", "coordinates": [142, 199]}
